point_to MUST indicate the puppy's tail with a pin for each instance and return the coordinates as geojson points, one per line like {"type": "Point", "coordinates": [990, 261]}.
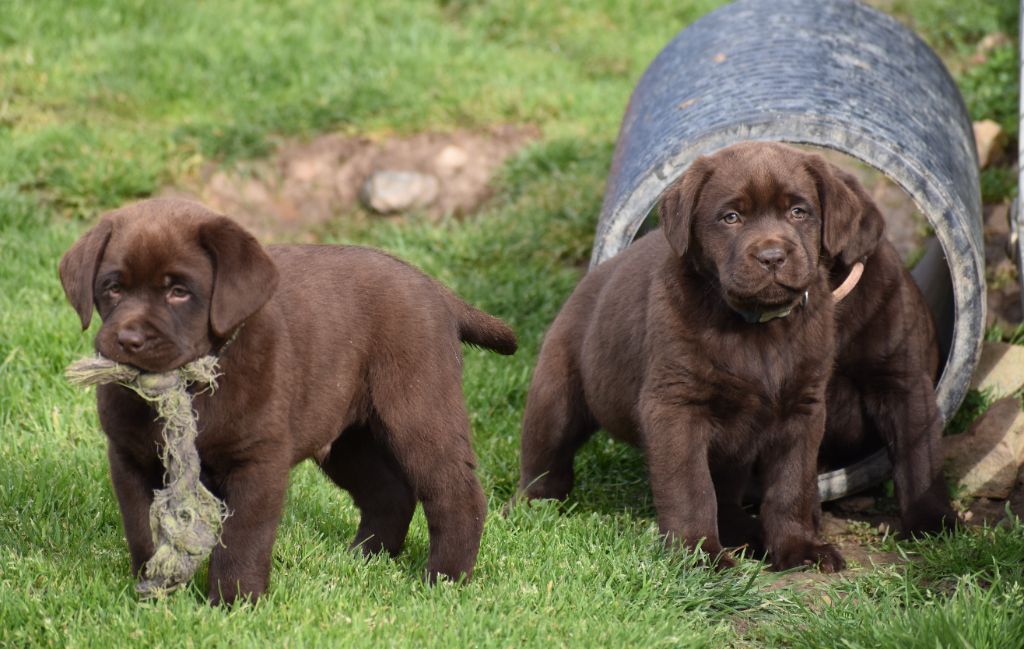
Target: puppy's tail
{"type": "Point", "coordinates": [483, 329]}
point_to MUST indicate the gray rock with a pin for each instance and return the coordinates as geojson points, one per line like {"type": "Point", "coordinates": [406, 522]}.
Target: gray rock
{"type": "Point", "coordinates": [389, 191]}
{"type": "Point", "coordinates": [451, 159]}
{"type": "Point", "coordinates": [990, 140]}
{"type": "Point", "coordinates": [833, 526]}
{"type": "Point", "coordinates": [1001, 369]}
{"type": "Point", "coordinates": [997, 220]}
{"type": "Point", "coordinates": [986, 460]}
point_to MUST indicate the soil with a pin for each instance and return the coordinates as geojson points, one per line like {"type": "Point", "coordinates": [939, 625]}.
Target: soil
{"type": "Point", "coordinates": [1001, 273]}
{"type": "Point", "coordinates": [857, 525]}
{"type": "Point", "coordinates": [306, 183]}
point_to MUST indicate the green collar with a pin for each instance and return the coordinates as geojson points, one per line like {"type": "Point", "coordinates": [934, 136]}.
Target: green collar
{"type": "Point", "coordinates": [844, 289]}
{"type": "Point", "coordinates": [758, 317]}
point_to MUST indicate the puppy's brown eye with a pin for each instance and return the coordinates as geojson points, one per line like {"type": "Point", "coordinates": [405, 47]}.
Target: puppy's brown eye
{"type": "Point", "coordinates": [113, 291]}
{"type": "Point", "coordinates": [178, 294]}
{"type": "Point", "coordinates": [798, 213]}
{"type": "Point", "coordinates": [730, 218]}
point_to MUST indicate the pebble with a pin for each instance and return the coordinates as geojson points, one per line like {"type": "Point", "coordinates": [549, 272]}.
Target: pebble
{"type": "Point", "coordinates": [985, 461]}
{"type": "Point", "coordinates": [389, 191]}
{"type": "Point", "coordinates": [1000, 368]}
{"type": "Point", "coordinates": [451, 158]}
{"type": "Point", "coordinates": [990, 140]}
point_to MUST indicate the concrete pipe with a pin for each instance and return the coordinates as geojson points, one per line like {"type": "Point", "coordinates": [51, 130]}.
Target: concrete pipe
{"type": "Point", "coordinates": [834, 74]}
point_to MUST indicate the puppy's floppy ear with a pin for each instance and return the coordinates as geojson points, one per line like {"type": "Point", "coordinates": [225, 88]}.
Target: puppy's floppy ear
{"type": "Point", "coordinates": [680, 201]}
{"type": "Point", "coordinates": [78, 269]}
{"type": "Point", "coordinates": [852, 226]}
{"type": "Point", "coordinates": [244, 276]}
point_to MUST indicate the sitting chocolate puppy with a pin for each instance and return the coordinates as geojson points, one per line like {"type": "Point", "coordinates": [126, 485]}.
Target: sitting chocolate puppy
{"type": "Point", "coordinates": [709, 344]}
{"type": "Point", "coordinates": [338, 353]}
{"type": "Point", "coordinates": [882, 392]}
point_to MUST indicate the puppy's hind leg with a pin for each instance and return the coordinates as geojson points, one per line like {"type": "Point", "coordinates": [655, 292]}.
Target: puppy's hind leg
{"type": "Point", "coordinates": [907, 417]}
{"type": "Point", "coordinates": [428, 432]}
{"type": "Point", "coordinates": [360, 463]}
{"type": "Point", "coordinates": [556, 424]}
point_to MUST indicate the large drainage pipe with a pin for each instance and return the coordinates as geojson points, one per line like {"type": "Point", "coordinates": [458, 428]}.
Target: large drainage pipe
{"type": "Point", "coordinates": [834, 74]}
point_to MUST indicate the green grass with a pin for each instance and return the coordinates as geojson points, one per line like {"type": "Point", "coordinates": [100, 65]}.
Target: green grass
{"type": "Point", "coordinates": [955, 28]}
{"type": "Point", "coordinates": [103, 102]}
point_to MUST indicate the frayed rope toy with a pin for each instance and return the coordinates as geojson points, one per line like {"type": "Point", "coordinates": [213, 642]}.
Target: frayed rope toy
{"type": "Point", "coordinates": [185, 518]}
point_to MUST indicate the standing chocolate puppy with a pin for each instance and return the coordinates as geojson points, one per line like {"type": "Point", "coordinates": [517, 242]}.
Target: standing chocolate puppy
{"type": "Point", "coordinates": [710, 345]}
{"type": "Point", "coordinates": [338, 353]}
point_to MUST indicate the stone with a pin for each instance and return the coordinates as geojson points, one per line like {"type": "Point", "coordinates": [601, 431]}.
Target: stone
{"type": "Point", "coordinates": [1000, 369]}
{"type": "Point", "coordinates": [832, 525]}
{"type": "Point", "coordinates": [986, 45]}
{"type": "Point", "coordinates": [1004, 306]}
{"type": "Point", "coordinates": [997, 220]}
{"type": "Point", "coordinates": [388, 191]}
{"type": "Point", "coordinates": [997, 239]}
{"type": "Point", "coordinates": [987, 511]}
{"type": "Point", "coordinates": [451, 159]}
{"type": "Point", "coordinates": [993, 40]}
{"type": "Point", "coordinates": [309, 168]}
{"type": "Point", "coordinates": [990, 140]}
{"type": "Point", "coordinates": [1017, 497]}
{"type": "Point", "coordinates": [985, 461]}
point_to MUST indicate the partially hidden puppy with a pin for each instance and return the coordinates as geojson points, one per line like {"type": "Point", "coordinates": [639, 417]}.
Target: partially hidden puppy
{"type": "Point", "coordinates": [882, 392]}
{"type": "Point", "coordinates": [338, 353]}
{"type": "Point", "coordinates": [709, 343]}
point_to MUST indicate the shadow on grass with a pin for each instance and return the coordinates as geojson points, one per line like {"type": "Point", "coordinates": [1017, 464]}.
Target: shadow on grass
{"type": "Point", "coordinates": [611, 479]}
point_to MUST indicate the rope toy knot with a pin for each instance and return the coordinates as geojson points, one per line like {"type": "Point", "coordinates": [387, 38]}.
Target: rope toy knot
{"type": "Point", "coordinates": [185, 517]}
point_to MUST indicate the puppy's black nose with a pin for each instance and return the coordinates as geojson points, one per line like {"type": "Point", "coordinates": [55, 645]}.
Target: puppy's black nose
{"type": "Point", "coordinates": [131, 340]}
{"type": "Point", "coordinates": [772, 258]}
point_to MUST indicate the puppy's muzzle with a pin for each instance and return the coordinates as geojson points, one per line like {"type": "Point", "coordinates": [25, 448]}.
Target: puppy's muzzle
{"type": "Point", "coordinates": [771, 259]}
{"type": "Point", "coordinates": [132, 340]}
{"type": "Point", "coordinates": [142, 346]}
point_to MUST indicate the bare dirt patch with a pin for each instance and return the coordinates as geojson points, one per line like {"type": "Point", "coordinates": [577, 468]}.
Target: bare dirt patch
{"type": "Point", "coordinates": [858, 525]}
{"type": "Point", "coordinates": [306, 183]}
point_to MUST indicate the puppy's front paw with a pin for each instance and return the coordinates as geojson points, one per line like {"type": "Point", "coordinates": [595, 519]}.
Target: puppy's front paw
{"type": "Point", "coordinates": [797, 553]}
{"type": "Point", "coordinates": [723, 561]}
{"type": "Point", "coordinates": [738, 529]}
{"type": "Point", "coordinates": [715, 556]}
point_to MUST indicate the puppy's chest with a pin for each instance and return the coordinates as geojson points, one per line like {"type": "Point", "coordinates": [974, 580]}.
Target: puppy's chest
{"type": "Point", "coordinates": [763, 377]}
{"type": "Point", "coordinates": [136, 429]}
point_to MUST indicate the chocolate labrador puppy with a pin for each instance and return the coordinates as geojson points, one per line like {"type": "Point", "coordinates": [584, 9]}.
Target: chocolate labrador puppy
{"type": "Point", "coordinates": [710, 345]}
{"type": "Point", "coordinates": [337, 353]}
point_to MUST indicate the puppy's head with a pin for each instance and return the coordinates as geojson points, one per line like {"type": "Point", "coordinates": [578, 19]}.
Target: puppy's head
{"type": "Point", "coordinates": [759, 217]}
{"type": "Point", "coordinates": [169, 279]}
